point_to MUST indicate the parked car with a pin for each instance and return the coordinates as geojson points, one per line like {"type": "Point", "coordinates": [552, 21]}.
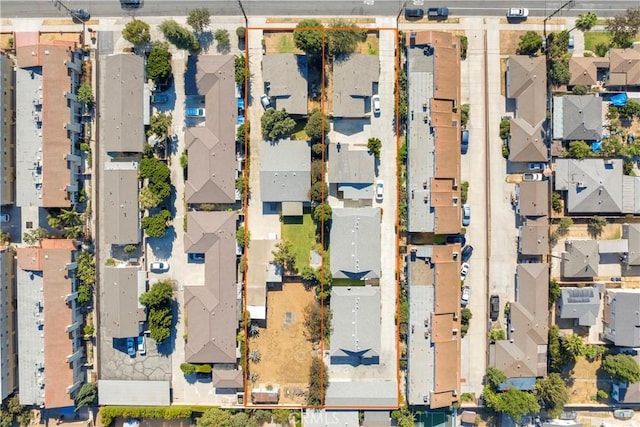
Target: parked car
{"type": "Point", "coordinates": [568, 415]}
{"type": "Point", "coordinates": [375, 105]}
{"type": "Point", "coordinates": [379, 189]}
{"type": "Point", "coordinates": [623, 414]}
{"type": "Point", "coordinates": [517, 12]}
{"type": "Point", "coordinates": [159, 266]}
{"type": "Point", "coordinates": [266, 102]}
{"type": "Point", "coordinates": [572, 43]}
{"type": "Point", "coordinates": [456, 238]}
{"type": "Point", "coordinates": [130, 4]}
{"type": "Point", "coordinates": [437, 13]}
{"type": "Point", "coordinates": [464, 142]}
{"type": "Point", "coordinates": [537, 166]}
{"type": "Point", "coordinates": [466, 215]}
{"type": "Point", "coordinates": [464, 270]}
{"type": "Point", "coordinates": [413, 13]}
{"type": "Point", "coordinates": [80, 15]}
{"type": "Point", "coordinates": [466, 253]}
{"type": "Point", "coordinates": [196, 257]}
{"type": "Point", "coordinates": [159, 99]}
{"type": "Point", "coordinates": [532, 176]}
{"type": "Point", "coordinates": [131, 349]}
{"type": "Point", "coordinates": [466, 293]}
{"type": "Point", "coordinates": [5, 218]}
{"type": "Point", "coordinates": [194, 112]}
{"type": "Point", "coordinates": [494, 307]}
{"type": "Point", "coordinates": [142, 347]}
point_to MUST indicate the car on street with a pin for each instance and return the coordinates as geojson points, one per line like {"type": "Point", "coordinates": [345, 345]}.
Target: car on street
{"type": "Point", "coordinates": [159, 266]}
{"type": "Point", "coordinates": [572, 43]}
{"type": "Point", "coordinates": [464, 141]}
{"type": "Point", "coordinates": [466, 215]}
{"type": "Point", "coordinates": [494, 307]}
{"type": "Point", "coordinates": [466, 253]}
{"type": "Point", "coordinates": [142, 346]}
{"type": "Point", "coordinates": [413, 13]}
{"type": "Point", "coordinates": [379, 189]}
{"type": "Point", "coordinates": [464, 270]}
{"type": "Point", "coordinates": [531, 176]}
{"type": "Point", "coordinates": [466, 292]}
{"type": "Point", "coordinates": [131, 349]}
{"type": "Point", "coordinates": [80, 15]}
{"type": "Point", "coordinates": [5, 218]}
{"type": "Point", "coordinates": [456, 238]}
{"type": "Point", "coordinates": [375, 105]}
{"type": "Point", "coordinates": [537, 166]}
{"type": "Point", "coordinates": [437, 13]}
{"type": "Point", "coordinates": [517, 12]}
{"type": "Point", "coordinates": [265, 102]}
{"type": "Point", "coordinates": [623, 414]}
{"type": "Point", "coordinates": [130, 4]}
{"type": "Point", "coordinates": [195, 112]}
{"type": "Point", "coordinates": [159, 99]}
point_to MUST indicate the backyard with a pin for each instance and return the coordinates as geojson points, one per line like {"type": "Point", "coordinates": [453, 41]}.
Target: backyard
{"type": "Point", "coordinates": [301, 232]}
{"type": "Point", "coordinates": [285, 352]}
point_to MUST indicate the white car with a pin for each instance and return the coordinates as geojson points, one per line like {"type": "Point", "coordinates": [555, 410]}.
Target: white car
{"type": "Point", "coordinates": [464, 270]}
{"type": "Point", "coordinates": [517, 12]}
{"type": "Point", "coordinates": [159, 266]}
{"type": "Point", "coordinates": [532, 177]}
{"type": "Point", "coordinates": [379, 189]}
{"type": "Point", "coordinates": [466, 292]}
{"type": "Point", "coordinates": [375, 104]}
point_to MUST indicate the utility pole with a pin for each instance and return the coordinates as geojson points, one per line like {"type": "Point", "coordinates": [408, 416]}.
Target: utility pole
{"type": "Point", "coordinates": [569, 4]}
{"type": "Point", "coordinates": [246, 20]}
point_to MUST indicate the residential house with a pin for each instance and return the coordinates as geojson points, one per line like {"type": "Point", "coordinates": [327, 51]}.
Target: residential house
{"type": "Point", "coordinates": [624, 68]}
{"type": "Point", "coordinates": [433, 142]}
{"type": "Point", "coordinates": [51, 356]}
{"type": "Point", "coordinates": [577, 117]}
{"type": "Point", "coordinates": [355, 243]}
{"type": "Point", "coordinates": [631, 232]}
{"type": "Point", "coordinates": [123, 104]}
{"type": "Point", "coordinates": [285, 78]}
{"type": "Point", "coordinates": [7, 131]}
{"type": "Point", "coordinates": [597, 186]}
{"type": "Point", "coordinates": [352, 172]}
{"type": "Point", "coordinates": [285, 171]}
{"type": "Point", "coordinates": [621, 318]}
{"type": "Point", "coordinates": [580, 304]}
{"type": "Point", "coordinates": [533, 206]}
{"type": "Point", "coordinates": [134, 393]}
{"type": "Point", "coordinates": [119, 291]}
{"type": "Point", "coordinates": [211, 148]}
{"type": "Point", "coordinates": [120, 204]}
{"type": "Point", "coordinates": [357, 340]}
{"type": "Point", "coordinates": [533, 198]}
{"type": "Point", "coordinates": [534, 236]}
{"type": "Point", "coordinates": [262, 274]}
{"type": "Point", "coordinates": [358, 393]}
{"type": "Point", "coordinates": [524, 352]}
{"type": "Point", "coordinates": [212, 305]}
{"type": "Point", "coordinates": [8, 327]}
{"type": "Point", "coordinates": [580, 259]}
{"type": "Point", "coordinates": [54, 117]}
{"type": "Point", "coordinates": [354, 78]}
{"type": "Point", "coordinates": [527, 84]}
{"type": "Point", "coordinates": [587, 71]}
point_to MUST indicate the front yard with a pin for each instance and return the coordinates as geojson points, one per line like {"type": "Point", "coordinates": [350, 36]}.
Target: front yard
{"type": "Point", "coordinates": [301, 232]}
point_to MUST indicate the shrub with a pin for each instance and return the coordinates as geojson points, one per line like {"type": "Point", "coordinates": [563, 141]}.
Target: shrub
{"type": "Point", "coordinates": [374, 145]}
{"type": "Point", "coordinates": [88, 329]}
{"type": "Point", "coordinates": [178, 35]}
{"type": "Point", "coordinates": [505, 128]}
{"type": "Point", "coordinates": [240, 33]}
{"type": "Point", "coordinates": [464, 191]}
{"type": "Point", "coordinates": [188, 368]}
{"type": "Point", "coordinates": [580, 90]}
{"type": "Point", "coordinates": [136, 32]}
{"type": "Point", "coordinates": [203, 369]}
{"type": "Point", "coordinates": [130, 248]}
{"type": "Point", "coordinates": [498, 334]}
{"type": "Point", "coordinates": [602, 395]}
{"type": "Point", "coordinates": [222, 37]}
{"type": "Point", "coordinates": [556, 202]}
{"type": "Point", "coordinates": [156, 225]}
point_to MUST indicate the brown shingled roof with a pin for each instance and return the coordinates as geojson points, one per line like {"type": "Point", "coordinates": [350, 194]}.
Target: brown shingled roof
{"type": "Point", "coordinates": [624, 67]}
{"type": "Point", "coordinates": [583, 71]}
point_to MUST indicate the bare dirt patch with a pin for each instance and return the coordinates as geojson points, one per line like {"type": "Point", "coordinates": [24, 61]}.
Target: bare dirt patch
{"type": "Point", "coordinates": [584, 384]}
{"type": "Point", "coordinates": [285, 351]}
{"type": "Point", "coordinates": [68, 37]}
{"type": "Point", "coordinates": [371, 46]}
{"type": "Point", "coordinates": [580, 231]}
{"type": "Point", "coordinates": [280, 42]}
{"type": "Point", "coordinates": [509, 41]}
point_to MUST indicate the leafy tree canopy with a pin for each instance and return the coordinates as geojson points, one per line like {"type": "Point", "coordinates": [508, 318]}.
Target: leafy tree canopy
{"type": "Point", "coordinates": [551, 391]}
{"type": "Point", "coordinates": [198, 19]}
{"type": "Point", "coordinates": [178, 35]}
{"type": "Point", "coordinates": [316, 125]}
{"type": "Point", "coordinates": [586, 21]}
{"type": "Point", "coordinates": [513, 402]}
{"type": "Point", "coordinates": [85, 93]}
{"type": "Point", "coordinates": [276, 124]}
{"type": "Point", "coordinates": [530, 43]}
{"type": "Point", "coordinates": [622, 367]}
{"type": "Point", "coordinates": [159, 125]}
{"type": "Point", "coordinates": [624, 27]}
{"type": "Point", "coordinates": [308, 37]}
{"type": "Point", "coordinates": [159, 62]}
{"type": "Point", "coordinates": [495, 377]}
{"type": "Point", "coordinates": [136, 32]}
{"type": "Point", "coordinates": [156, 225]}
{"type": "Point", "coordinates": [344, 37]}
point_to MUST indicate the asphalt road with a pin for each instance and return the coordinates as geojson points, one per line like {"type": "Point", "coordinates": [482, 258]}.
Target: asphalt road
{"type": "Point", "coordinates": [104, 8]}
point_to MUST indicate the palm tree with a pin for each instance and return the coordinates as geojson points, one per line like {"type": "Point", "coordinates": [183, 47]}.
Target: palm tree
{"type": "Point", "coordinates": [255, 356]}
{"type": "Point", "coordinates": [73, 232]}
{"type": "Point", "coordinates": [70, 217]}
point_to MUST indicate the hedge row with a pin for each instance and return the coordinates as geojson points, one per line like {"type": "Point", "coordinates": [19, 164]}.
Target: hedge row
{"type": "Point", "coordinates": [109, 413]}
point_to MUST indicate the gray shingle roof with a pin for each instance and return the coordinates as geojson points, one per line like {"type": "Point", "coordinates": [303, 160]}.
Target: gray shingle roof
{"type": "Point", "coordinates": [622, 317]}
{"type": "Point", "coordinates": [119, 292]}
{"type": "Point", "coordinates": [361, 393]}
{"type": "Point", "coordinates": [592, 185]}
{"type": "Point", "coordinates": [580, 303]}
{"type": "Point", "coordinates": [123, 108]}
{"type": "Point", "coordinates": [355, 243]}
{"type": "Point", "coordinates": [120, 199]}
{"type": "Point", "coordinates": [631, 232]}
{"type": "Point", "coordinates": [287, 76]}
{"type": "Point", "coordinates": [357, 310]}
{"type": "Point", "coordinates": [212, 306]}
{"type": "Point", "coordinates": [353, 79]}
{"type": "Point", "coordinates": [580, 259]}
{"type": "Point", "coordinates": [285, 171]}
{"type": "Point", "coordinates": [581, 117]}
{"type": "Point", "coordinates": [142, 393]}
{"type": "Point", "coordinates": [350, 166]}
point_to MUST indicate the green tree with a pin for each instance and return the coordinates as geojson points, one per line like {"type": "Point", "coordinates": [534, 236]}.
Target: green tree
{"type": "Point", "coordinates": [580, 90]}
{"type": "Point", "coordinates": [556, 359]}
{"type": "Point", "coordinates": [155, 170]}
{"type": "Point", "coordinates": [316, 125]}
{"type": "Point", "coordinates": [240, 33]}
{"type": "Point", "coordinates": [198, 19]}
{"type": "Point", "coordinates": [464, 114]}
{"type": "Point", "coordinates": [241, 234]}
{"type": "Point", "coordinates": [594, 351]}
{"type": "Point", "coordinates": [559, 73]}
{"type": "Point", "coordinates": [159, 125]}
{"type": "Point", "coordinates": [586, 21]}
{"type": "Point", "coordinates": [308, 274]}
{"type": "Point", "coordinates": [554, 292]}
{"type": "Point", "coordinates": [188, 368]}
{"type": "Point", "coordinates": [564, 224]}
{"type": "Point", "coordinates": [184, 160]}
{"type": "Point", "coordinates": [596, 225]}
{"type": "Point", "coordinates": [158, 300]}
{"type": "Point", "coordinates": [276, 124]}
{"type": "Point", "coordinates": [136, 32]}
{"type": "Point", "coordinates": [622, 367]}
{"type": "Point", "coordinates": [283, 255]}
{"type": "Point", "coordinates": [573, 345]}
{"type": "Point", "coordinates": [494, 378]}
{"type": "Point", "coordinates": [85, 94]}
{"type": "Point", "coordinates": [159, 62]}
{"type": "Point", "coordinates": [314, 318]}
{"type": "Point", "coordinates": [161, 189]}
{"type": "Point", "coordinates": [318, 192]}
{"type": "Point", "coordinates": [513, 402]}
{"type": "Point", "coordinates": [551, 392]}
{"type": "Point", "coordinates": [215, 417]}
{"type": "Point", "coordinates": [374, 145]}
{"type": "Point", "coordinates": [505, 129]}
{"type": "Point", "coordinates": [403, 417]}
{"type": "Point", "coordinates": [556, 202]}
{"type": "Point", "coordinates": [579, 149]}
{"type": "Point", "coordinates": [628, 168]}
{"type": "Point", "coordinates": [316, 170]}
{"type": "Point", "coordinates": [403, 153]}
{"type": "Point", "coordinates": [630, 110]}
{"type": "Point", "coordinates": [87, 396]}
{"type": "Point", "coordinates": [322, 212]}
{"type": "Point", "coordinates": [343, 37]}
{"type": "Point", "coordinates": [318, 382]}
{"type": "Point", "coordinates": [498, 334]}
{"type": "Point", "coordinates": [35, 235]}
{"type": "Point", "coordinates": [241, 72]}
{"type": "Point", "coordinates": [222, 37]}
{"type": "Point", "coordinates": [148, 199]}
{"type": "Point", "coordinates": [156, 225]}
{"type": "Point", "coordinates": [308, 37]}
{"type": "Point", "coordinates": [624, 28]}
{"type": "Point", "coordinates": [178, 35]}
{"type": "Point", "coordinates": [86, 268]}
{"type": "Point", "coordinates": [530, 43]}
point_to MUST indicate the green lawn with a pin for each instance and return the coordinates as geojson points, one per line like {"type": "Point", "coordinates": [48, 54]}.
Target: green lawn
{"type": "Point", "coordinates": [286, 45]}
{"type": "Point", "coordinates": [347, 282]}
{"type": "Point", "coordinates": [594, 38]}
{"type": "Point", "coordinates": [298, 131]}
{"type": "Point", "coordinates": [301, 232]}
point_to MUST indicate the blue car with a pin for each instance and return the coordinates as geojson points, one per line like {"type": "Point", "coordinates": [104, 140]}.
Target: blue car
{"type": "Point", "coordinates": [131, 348]}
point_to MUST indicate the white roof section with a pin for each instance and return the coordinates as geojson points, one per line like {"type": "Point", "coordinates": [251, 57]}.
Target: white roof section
{"type": "Point", "coordinates": [134, 393]}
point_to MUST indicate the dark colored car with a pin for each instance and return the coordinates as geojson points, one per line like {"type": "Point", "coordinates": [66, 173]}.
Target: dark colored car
{"type": "Point", "coordinates": [456, 238]}
{"type": "Point", "coordinates": [494, 307]}
{"type": "Point", "coordinates": [130, 4]}
{"type": "Point", "coordinates": [438, 13]}
{"type": "Point", "coordinates": [464, 141]}
{"type": "Point", "coordinates": [80, 15]}
{"type": "Point", "coordinates": [466, 253]}
{"type": "Point", "coordinates": [413, 13]}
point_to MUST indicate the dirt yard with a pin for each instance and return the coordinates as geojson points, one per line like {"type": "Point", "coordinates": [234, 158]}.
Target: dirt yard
{"type": "Point", "coordinates": [285, 352]}
{"type": "Point", "coordinates": [280, 42]}
{"type": "Point", "coordinates": [581, 231]}
{"type": "Point", "coordinates": [509, 41]}
{"type": "Point", "coordinates": [584, 385]}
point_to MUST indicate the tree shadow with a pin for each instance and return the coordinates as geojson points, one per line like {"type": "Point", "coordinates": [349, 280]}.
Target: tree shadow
{"type": "Point", "coordinates": [162, 247]}
{"type": "Point", "coordinates": [223, 48]}
{"type": "Point", "coordinates": [206, 40]}
{"type": "Point", "coordinates": [166, 347]}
